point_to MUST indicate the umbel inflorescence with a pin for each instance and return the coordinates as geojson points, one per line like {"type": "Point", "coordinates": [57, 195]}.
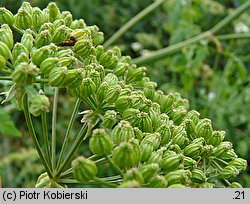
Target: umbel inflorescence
{"type": "Point", "coordinates": [150, 139]}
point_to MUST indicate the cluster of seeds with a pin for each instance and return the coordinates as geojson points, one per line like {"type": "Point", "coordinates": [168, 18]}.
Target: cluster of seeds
{"type": "Point", "coordinates": [150, 139]}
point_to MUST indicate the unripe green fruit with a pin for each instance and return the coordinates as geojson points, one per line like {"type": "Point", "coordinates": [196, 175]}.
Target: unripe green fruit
{"type": "Point", "coordinates": [180, 139]}
{"type": "Point", "coordinates": [124, 155]}
{"type": "Point", "coordinates": [190, 129]}
{"type": "Point", "coordinates": [145, 123]}
{"type": "Point", "coordinates": [54, 12]}
{"type": "Point", "coordinates": [149, 90]}
{"type": "Point", "coordinates": [138, 133]}
{"type": "Point", "coordinates": [23, 19]}
{"type": "Point", "coordinates": [153, 138]}
{"type": "Point", "coordinates": [204, 129]}
{"type": "Point", "coordinates": [43, 38]}
{"type": "Point", "coordinates": [83, 47]}
{"type": "Point", "coordinates": [193, 150]}
{"type": "Point", "coordinates": [39, 104]}
{"type": "Point", "coordinates": [122, 132]}
{"type": "Point", "coordinates": [25, 73]}
{"type": "Point", "coordinates": [229, 172]}
{"type": "Point", "coordinates": [6, 38]}
{"type": "Point", "coordinates": [37, 18]}
{"type": "Point", "coordinates": [165, 101]}
{"type": "Point", "coordinates": [158, 182]}
{"type": "Point", "coordinates": [133, 174]}
{"type": "Point", "coordinates": [101, 91]}
{"type": "Point", "coordinates": [136, 74]}
{"type": "Point", "coordinates": [198, 176]}
{"type": "Point", "coordinates": [222, 149]}
{"type": "Point", "coordinates": [216, 138]}
{"type": "Point", "coordinates": [109, 119]}
{"type": "Point", "coordinates": [56, 76]}
{"type": "Point", "coordinates": [46, 15]}
{"type": "Point", "coordinates": [95, 76]}
{"type": "Point", "coordinates": [2, 62]}
{"type": "Point", "coordinates": [207, 150]}
{"type": "Point", "coordinates": [112, 94]}
{"type": "Point", "coordinates": [178, 114]}
{"type": "Point", "coordinates": [120, 68]}
{"type": "Point", "coordinates": [194, 116]}
{"type": "Point", "coordinates": [60, 34]}
{"type": "Point", "coordinates": [189, 163]}
{"type": "Point", "coordinates": [154, 115]}
{"type": "Point", "coordinates": [64, 53]}
{"type": "Point", "coordinates": [146, 150]}
{"type": "Point", "coordinates": [163, 119]}
{"type": "Point", "coordinates": [108, 60]}
{"type": "Point", "coordinates": [159, 97]}
{"type": "Point", "coordinates": [171, 162]}
{"type": "Point", "coordinates": [6, 17]}
{"type": "Point", "coordinates": [48, 64]}
{"type": "Point", "coordinates": [67, 61]}
{"type": "Point", "coordinates": [27, 6]}
{"type": "Point", "coordinates": [4, 50]}
{"type": "Point", "coordinates": [57, 23]}
{"type": "Point", "coordinates": [84, 169]}
{"type": "Point", "coordinates": [18, 49]}
{"type": "Point", "coordinates": [165, 132]}
{"type": "Point", "coordinates": [78, 24]}
{"type": "Point", "coordinates": [122, 103]}
{"type": "Point", "coordinates": [73, 78]}
{"type": "Point", "coordinates": [111, 79]}
{"type": "Point", "coordinates": [137, 150]}
{"type": "Point", "coordinates": [23, 57]}
{"type": "Point", "coordinates": [235, 185]}
{"type": "Point", "coordinates": [178, 177]}
{"type": "Point", "coordinates": [7, 29]}
{"type": "Point", "coordinates": [27, 40]}
{"type": "Point", "coordinates": [229, 155]}
{"type": "Point", "coordinates": [149, 170]}
{"type": "Point", "coordinates": [156, 157]}
{"type": "Point", "coordinates": [97, 38]}
{"type": "Point", "coordinates": [239, 163]}
{"type": "Point", "coordinates": [47, 26]}
{"type": "Point", "coordinates": [43, 53]}
{"type": "Point", "coordinates": [130, 114]}
{"type": "Point", "coordinates": [86, 88]}
{"type": "Point", "coordinates": [100, 143]}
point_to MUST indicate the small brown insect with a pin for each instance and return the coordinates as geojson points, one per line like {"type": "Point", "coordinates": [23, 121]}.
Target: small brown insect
{"type": "Point", "coordinates": [70, 42]}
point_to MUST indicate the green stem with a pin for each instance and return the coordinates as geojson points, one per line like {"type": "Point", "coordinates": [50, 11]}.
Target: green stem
{"type": "Point", "coordinates": [10, 65]}
{"type": "Point", "coordinates": [159, 54]}
{"type": "Point", "coordinates": [84, 131]}
{"type": "Point", "coordinates": [119, 171]}
{"type": "Point", "coordinates": [99, 180]}
{"type": "Point", "coordinates": [222, 161]}
{"type": "Point", "coordinates": [17, 29]}
{"type": "Point", "coordinates": [33, 134]}
{"type": "Point", "coordinates": [132, 22]}
{"type": "Point", "coordinates": [8, 78]}
{"type": "Point", "coordinates": [45, 129]}
{"type": "Point", "coordinates": [233, 36]}
{"type": "Point", "coordinates": [66, 138]}
{"type": "Point", "coordinates": [6, 71]}
{"type": "Point", "coordinates": [54, 117]}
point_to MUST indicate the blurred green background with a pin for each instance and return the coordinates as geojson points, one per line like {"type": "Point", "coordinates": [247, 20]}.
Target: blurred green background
{"type": "Point", "coordinates": [213, 75]}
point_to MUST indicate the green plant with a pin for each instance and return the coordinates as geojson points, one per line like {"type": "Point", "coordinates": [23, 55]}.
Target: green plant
{"type": "Point", "coordinates": [148, 138]}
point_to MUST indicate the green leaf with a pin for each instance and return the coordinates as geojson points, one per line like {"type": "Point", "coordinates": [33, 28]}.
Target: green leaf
{"type": "Point", "coordinates": [7, 127]}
